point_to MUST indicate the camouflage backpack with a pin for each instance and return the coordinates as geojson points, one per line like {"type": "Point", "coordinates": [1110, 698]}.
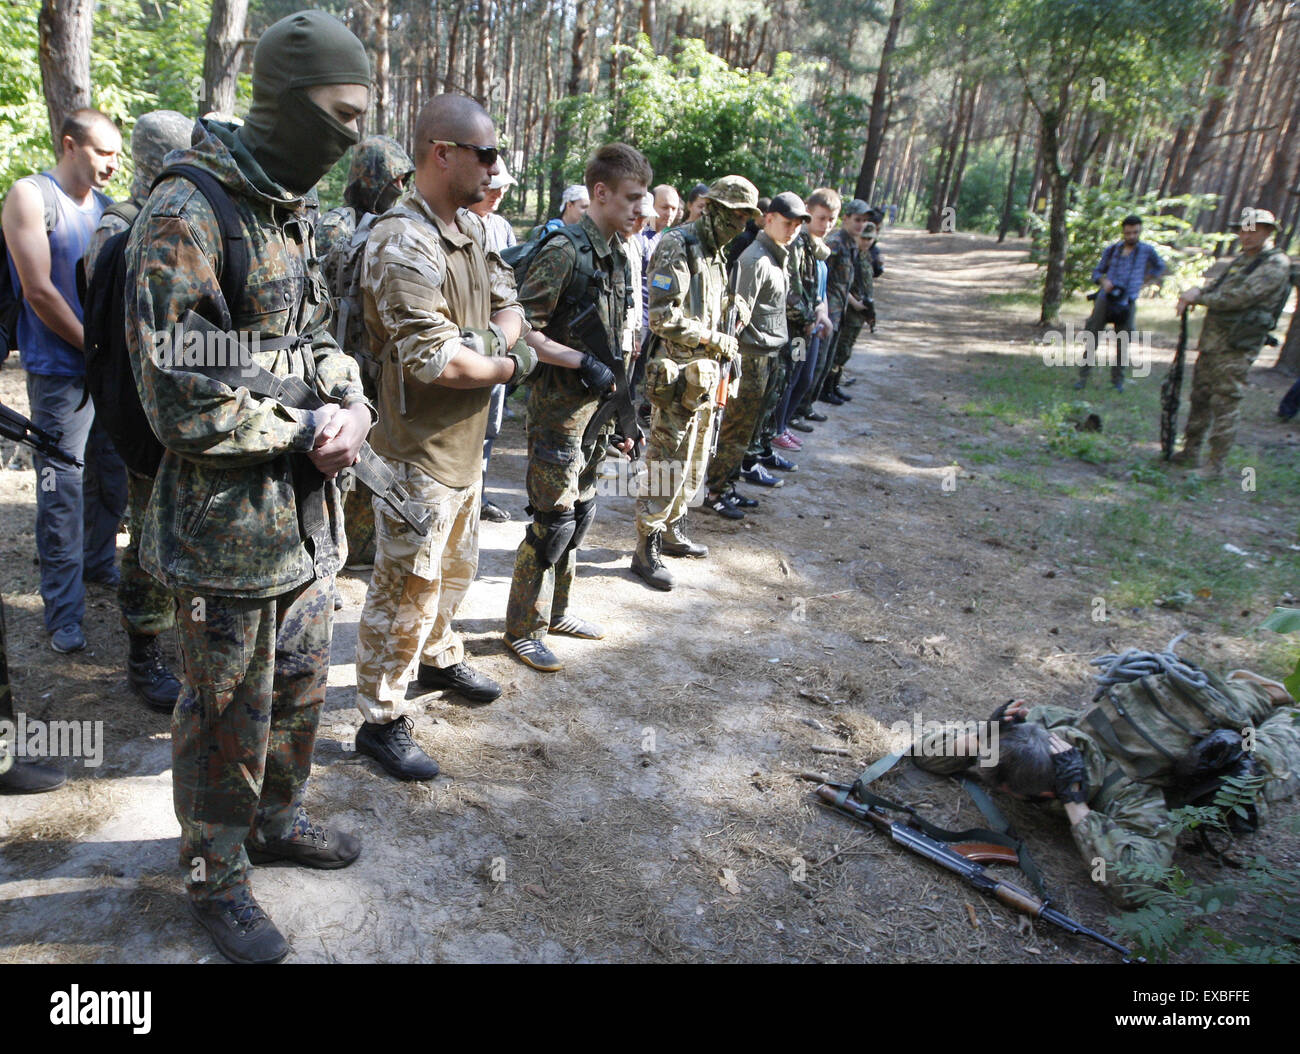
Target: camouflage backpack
{"type": "Point", "coordinates": [342, 267]}
{"type": "Point", "coordinates": [1166, 722]}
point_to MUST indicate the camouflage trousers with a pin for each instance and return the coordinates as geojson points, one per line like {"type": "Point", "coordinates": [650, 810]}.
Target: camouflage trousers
{"type": "Point", "coordinates": [245, 724]}
{"type": "Point", "coordinates": [778, 378]}
{"type": "Point", "coordinates": [741, 419]}
{"type": "Point", "coordinates": [415, 590]}
{"type": "Point", "coordinates": [561, 475]}
{"type": "Point", "coordinates": [676, 458]}
{"type": "Point", "coordinates": [1218, 385]}
{"type": "Point", "coordinates": [845, 337]}
{"type": "Point", "coordinates": [147, 608]}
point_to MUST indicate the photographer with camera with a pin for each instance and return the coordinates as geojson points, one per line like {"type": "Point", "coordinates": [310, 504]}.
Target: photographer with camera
{"type": "Point", "coordinates": [1125, 267]}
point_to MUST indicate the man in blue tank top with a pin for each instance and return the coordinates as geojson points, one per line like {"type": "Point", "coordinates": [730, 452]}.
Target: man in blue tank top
{"type": "Point", "coordinates": [75, 539]}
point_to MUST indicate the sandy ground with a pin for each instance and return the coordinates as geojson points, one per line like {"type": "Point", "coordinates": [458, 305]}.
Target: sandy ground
{"type": "Point", "coordinates": [644, 804]}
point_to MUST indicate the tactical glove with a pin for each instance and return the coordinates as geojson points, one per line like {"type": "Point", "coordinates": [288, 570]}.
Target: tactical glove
{"type": "Point", "coordinates": [596, 376]}
{"type": "Point", "coordinates": [723, 345]}
{"type": "Point", "coordinates": [525, 359]}
{"type": "Point", "coordinates": [490, 342]}
{"type": "Point", "coordinates": [1068, 769]}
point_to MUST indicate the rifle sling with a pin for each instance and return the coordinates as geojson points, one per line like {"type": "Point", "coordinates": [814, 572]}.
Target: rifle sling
{"type": "Point", "coordinates": [999, 831]}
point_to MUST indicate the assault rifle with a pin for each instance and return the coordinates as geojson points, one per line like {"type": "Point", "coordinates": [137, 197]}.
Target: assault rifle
{"type": "Point", "coordinates": [15, 426]}
{"type": "Point", "coordinates": [1170, 392]}
{"type": "Point", "coordinates": [587, 327]}
{"type": "Point", "coordinates": [838, 797]}
{"type": "Point", "coordinates": [295, 392]}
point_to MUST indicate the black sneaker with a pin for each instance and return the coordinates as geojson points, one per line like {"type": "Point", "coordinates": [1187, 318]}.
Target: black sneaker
{"type": "Point", "coordinates": [832, 399]}
{"type": "Point", "coordinates": [739, 500]}
{"type": "Point", "coordinates": [241, 930]}
{"type": "Point", "coordinates": [844, 397]}
{"type": "Point", "coordinates": [316, 846]}
{"type": "Point", "coordinates": [816, 415]}
{"type": "Point", "coordinates": [719, 504]}
{"type": "Point", "coordinates": [392, 746]}
{"type": "Point", "coordinates": [800, 425]}
{"type": "Point", "coordinates": [460, 678]}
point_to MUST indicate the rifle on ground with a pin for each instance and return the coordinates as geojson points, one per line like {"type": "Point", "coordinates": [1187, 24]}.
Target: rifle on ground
{"type": "Point", "coordinates": [587, 327]}
{"type": "Point", "coordinates": [965, 864]}
{"type": "Point", "coordinates": [15, 426]}
{"type": "Point", "coordinates": [1171, 391]}
{"type": "Point", "coordinates": [295, 392]}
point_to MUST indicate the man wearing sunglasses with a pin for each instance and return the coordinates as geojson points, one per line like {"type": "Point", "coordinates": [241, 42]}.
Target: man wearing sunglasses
{"type": "Point", "coordinates": [446, 326]}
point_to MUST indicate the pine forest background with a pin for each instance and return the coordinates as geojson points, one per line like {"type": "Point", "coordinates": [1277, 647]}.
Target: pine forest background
{"type": "Point", "coordinates": [1049, 118]}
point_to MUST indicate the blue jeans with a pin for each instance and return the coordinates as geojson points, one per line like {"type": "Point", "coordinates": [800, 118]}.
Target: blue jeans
{"type": "Point", "coordinates": [800, 381]}
{"type": "Point", "coordinates": [77, 514]}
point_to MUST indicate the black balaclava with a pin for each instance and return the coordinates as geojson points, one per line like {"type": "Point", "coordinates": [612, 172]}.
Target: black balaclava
{"type": "Point", "coordinates": [293, 139]}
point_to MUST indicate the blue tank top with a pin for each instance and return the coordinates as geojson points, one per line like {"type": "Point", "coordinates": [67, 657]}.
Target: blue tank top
{"type": "Point", "coordinates": [43, 350]}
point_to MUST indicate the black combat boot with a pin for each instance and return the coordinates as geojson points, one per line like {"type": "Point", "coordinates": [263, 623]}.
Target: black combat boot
{"type": "Point", "coordinates": [26, 776]}
{"type": "Point", "coordinates": [392, 746]}
{"type": "Point", "coordinates": [153, 682]}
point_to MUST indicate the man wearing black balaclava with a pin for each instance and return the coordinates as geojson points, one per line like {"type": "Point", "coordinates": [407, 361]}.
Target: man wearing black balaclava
{"type": "Point", "coordinates": [240, 528]}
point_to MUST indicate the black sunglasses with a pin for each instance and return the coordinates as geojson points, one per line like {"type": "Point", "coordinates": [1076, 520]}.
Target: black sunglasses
{"type": "Point", "coordinates": [487, 155]}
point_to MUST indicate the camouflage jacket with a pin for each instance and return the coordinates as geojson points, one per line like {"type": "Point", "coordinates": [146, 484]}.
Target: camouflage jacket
{"type": "Point", "coordinates": [224, 515]}
{"type": "Point", "coordinates": [843, 272]}
{"type": "Point", "coordinates": [761, 287]}
{"type": "Point", "coordinates": [801, 271]}
{"type": "Point", "coordinates": [558, 400]}
{"type": "Point", "coordinates": [1242, 307]}
{"type": "Point", "coordinates": [686, 308]}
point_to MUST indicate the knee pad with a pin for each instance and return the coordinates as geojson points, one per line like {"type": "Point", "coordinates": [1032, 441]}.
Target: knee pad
{"type": "Point", "coordinates": [584, 512]}
{"type": "Point", "coordinates": [551, 534]}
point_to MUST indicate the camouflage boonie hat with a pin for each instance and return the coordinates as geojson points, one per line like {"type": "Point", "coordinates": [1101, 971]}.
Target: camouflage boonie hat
{"type": "Point", "coordinates": [735, 192]}
{"type": "Point", "coordinates": [1251, 218]}
{"type": "Point", "coordinates": [155, 135]}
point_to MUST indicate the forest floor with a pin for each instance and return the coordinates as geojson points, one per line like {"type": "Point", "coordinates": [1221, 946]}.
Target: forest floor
{"type": "Point", "coordinates": [948, 541]}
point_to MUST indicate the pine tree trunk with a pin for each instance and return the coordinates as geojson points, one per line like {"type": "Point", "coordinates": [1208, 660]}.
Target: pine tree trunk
{"type": "Point", "coordinates": [1009, 203]}
{"type": "Point", "coordinates": [222, 55]}
{"type": "Point", "coordinates": [876, 125]}
{"type": "Point", "coordinates": [64, 27]}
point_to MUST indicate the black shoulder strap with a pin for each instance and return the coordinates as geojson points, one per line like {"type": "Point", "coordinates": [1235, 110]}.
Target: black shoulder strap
{"type": "Point", "coordinates": [584, 267]}
{"type": "Point", "coordinates": [123, 210]}
{"type": "Point", "coordinates": [693, 251]}
{"type": "Point", "coordinates": [234, 248]}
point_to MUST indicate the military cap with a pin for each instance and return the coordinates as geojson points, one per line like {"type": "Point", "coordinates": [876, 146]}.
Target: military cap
{"type": "Point", "coordinates": [856, 207]}
{"type": "Point", "coordinates": [1251, 218]}
{"type": "Point", "coordinates": [736, 192]}
{"type": "Point", "coordinates": [789, 205]}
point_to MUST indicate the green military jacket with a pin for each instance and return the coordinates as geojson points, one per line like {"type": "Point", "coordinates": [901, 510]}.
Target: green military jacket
{"type": "Point", "coordinates": [558, 400]}
{"type": "Point", "coordinates": [761, 288]}
{"type": "Point", "coordinates": [801, 272]}
{"type": "Point", "coordinates": [224, 516]}
{"type": "Point", "coordinates": [1242, 307]}
{"type": "Point", "coordinates": [686, 307]}
{"type": "Point", "coordinates": [843, 271]}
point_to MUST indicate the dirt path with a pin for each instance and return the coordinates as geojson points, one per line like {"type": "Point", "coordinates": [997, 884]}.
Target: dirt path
{"type": "Point", "coordinates": [643, 804]}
